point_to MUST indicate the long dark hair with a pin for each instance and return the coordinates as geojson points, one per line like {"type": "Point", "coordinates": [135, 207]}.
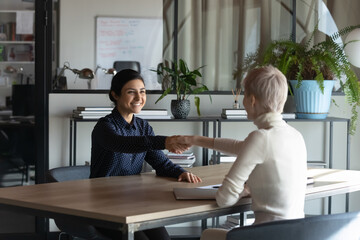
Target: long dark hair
{"type": "Point", "coordinates": [120, 79]}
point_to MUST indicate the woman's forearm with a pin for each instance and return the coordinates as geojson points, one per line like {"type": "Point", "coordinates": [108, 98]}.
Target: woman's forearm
{"type": "Point", "coordinates": [201, 141]}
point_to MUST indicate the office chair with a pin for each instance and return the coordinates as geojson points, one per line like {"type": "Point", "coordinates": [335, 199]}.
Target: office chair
{"type": "Point", "coordinates": [17, 147]}
{"type": "Point", "coordinates": [325, 227]}
{"type": "Point", "coordinates": [121, 65]}
{"type": "Point", "coordinates": [74, 229]}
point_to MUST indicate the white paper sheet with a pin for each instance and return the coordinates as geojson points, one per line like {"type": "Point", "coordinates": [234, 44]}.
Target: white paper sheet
{"type": "Point", "coordinates": [24, 22]}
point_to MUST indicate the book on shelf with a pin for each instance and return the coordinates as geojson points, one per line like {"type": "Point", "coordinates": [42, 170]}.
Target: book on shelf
{"type": "Point", "coordinates": [182, 162]}
{"type": "Point", "coordinates": [233, 219]}
{"type": "Point", "coordinates": [227, 158]}
{"type": "Point", "coordinates": [153, 112]}
{"type": "Point", "coordinates": [181, 155]}
{"type": "Point", "coordinates": [288, 115]}
{"type": "Point", "coordinates": [240, 116]}
{"type": "Point", "coordinates": [185, 165]}
{"type": "Point", "coordinates": [184, 159]}
{"type": "Point", "coordinates": [310, 180]}
{"type": "Point", "coordinates": [244, 116]}
{"type": "Point", "coordinates": [80, 108]}
{"type": "Point", "coordinates": [153, 116]}
{"type": "Point", "coordinates": [233, 111]}
{"type": "Point", "coordinates": [90, 112]}
{"type": "Point", "coordinates": [224, 158]}
{"type": "Point", "coordinates": [89, 116]}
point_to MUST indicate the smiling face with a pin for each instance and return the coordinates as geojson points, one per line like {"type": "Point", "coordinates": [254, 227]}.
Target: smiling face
{"type": "Point", "coordinates": [131, 100]}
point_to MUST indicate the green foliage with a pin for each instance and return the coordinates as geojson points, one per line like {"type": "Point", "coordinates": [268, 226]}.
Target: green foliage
{"type": "Point", "coordinates": [325, 60]}
{"type": "Point", "coordinates": [183, 81]}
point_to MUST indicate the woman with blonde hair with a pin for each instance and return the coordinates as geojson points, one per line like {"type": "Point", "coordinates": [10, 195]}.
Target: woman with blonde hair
{"type": "Point", "coordinates": [270, 160]}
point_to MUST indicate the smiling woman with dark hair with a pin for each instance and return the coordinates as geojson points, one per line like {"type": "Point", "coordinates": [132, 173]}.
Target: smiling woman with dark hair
{"type": "Point", "coordinates": [121, 142]}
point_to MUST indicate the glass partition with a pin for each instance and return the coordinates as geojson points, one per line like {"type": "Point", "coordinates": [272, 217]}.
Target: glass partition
{"type": "Point", "coordinates": [217, 34]}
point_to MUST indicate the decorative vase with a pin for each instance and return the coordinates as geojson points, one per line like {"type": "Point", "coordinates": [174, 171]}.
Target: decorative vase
{"type": "Point", "coordinates": [180, 108]}
{"type": "Point", "coordinates": [310, 102]}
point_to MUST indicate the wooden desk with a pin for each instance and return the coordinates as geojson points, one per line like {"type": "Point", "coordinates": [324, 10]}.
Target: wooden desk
{"type": "Point", "coordinates": [134, 203]}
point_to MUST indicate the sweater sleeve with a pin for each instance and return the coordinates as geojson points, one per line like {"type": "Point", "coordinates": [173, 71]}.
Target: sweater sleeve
{"type": "Point", "coordinates": [250, 152]}
{"type": "Point", "coordinates": [227, 146]}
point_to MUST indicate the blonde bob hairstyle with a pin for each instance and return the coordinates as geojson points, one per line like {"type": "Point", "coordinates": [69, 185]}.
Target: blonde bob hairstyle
{"type": "Point", "coordinates": [269, 86]}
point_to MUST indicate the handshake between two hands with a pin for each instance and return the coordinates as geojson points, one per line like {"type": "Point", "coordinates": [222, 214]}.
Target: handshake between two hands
{"type": "Point", "coordinates": [178, 144]}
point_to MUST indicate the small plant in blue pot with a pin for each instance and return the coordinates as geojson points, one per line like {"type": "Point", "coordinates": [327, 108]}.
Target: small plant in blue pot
{"type": "Point", "coordinates": [178, 77]}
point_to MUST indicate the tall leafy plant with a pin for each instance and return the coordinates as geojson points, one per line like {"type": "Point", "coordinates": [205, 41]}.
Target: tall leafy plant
{"type": "Point", "coordinates": [182, 80]}
{"type": "Point", "coordinates": [325, 60]}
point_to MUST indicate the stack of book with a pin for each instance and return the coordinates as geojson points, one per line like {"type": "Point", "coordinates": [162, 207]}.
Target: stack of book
{"type": "Point", "coordinates": [223, 158]}
{"type": "Point", "coordinates": [98, 112]}
{"type": "Point", "coordinates": [288, 115]}
{"type": "Point", "coordinates": [153, 114]}
{"type": "Point", "coordinates": [91, 112]}
{"type": "Point", "coordinates": [233, 221]}
{"type": "Point", "coordinates": [184, 160]}
{"type": "Point", "coordinates": [233, 113]}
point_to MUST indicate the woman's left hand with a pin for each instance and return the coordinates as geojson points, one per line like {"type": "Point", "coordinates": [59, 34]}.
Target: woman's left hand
{"type": "Point", "coordinates": [189, 177]}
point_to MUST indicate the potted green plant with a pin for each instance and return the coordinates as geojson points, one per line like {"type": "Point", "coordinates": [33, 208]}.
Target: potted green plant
{"type": "Point", "coordinates": [306, 63]}
{"type": "Point", "coordinates": [180, 78]}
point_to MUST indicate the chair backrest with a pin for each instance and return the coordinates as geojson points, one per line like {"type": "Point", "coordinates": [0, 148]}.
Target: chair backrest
{"type": "Point", "coordinates": [62, 174]}
{"type": "Point", "coordinates": [75, 229]}
{"type": "Point", "coordinates": [23, 99]}
{"type": "Point", "coordinates": [326, 227]}
{"type": "Point", "coordinates": [121, 65]}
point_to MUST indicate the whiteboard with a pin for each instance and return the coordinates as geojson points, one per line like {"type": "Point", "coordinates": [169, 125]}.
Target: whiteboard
{"type": "Point", "coordinates": [129, 39]}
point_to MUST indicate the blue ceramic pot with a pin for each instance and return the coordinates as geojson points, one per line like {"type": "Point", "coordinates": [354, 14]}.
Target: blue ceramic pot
{"type": "Point", "coordinates": [310, 102]}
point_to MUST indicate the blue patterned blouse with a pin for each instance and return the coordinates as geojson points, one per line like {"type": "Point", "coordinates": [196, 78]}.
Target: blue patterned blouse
{"type": "Point", "coordinates": [119, 148]}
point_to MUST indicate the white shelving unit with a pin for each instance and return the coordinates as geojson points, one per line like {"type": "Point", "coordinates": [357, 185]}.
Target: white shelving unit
{"type": "Point", "coordinates": [17, 47]}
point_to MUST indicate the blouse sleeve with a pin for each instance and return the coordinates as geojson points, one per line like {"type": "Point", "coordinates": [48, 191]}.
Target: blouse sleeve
{"type": "Point", "coordinates": [249, 153]}
{"type": "Point", "coordinates": [111, 141]}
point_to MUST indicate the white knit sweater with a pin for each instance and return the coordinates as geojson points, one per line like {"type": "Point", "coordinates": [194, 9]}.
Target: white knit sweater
{"type": "Point", "coordinates": [272, 162]}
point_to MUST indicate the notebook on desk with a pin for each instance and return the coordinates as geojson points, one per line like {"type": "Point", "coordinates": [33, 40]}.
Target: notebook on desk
{"type": "Point", "coordinates": [205, 192]}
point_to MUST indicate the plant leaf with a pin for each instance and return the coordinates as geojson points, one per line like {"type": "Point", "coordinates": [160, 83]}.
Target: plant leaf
{"type": "Point", "coordinates": [183, 67]}
{"type": "Point", "coordinates": [197, 104]}
{"type": "Point", "coordinates": [166, 92]}
{"type": "Point", "coordinates": [190, 79]}
{"type": "Point", "coordinates": [200, 90]}
{"type": "Point", "coordinates": [196, 72]}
